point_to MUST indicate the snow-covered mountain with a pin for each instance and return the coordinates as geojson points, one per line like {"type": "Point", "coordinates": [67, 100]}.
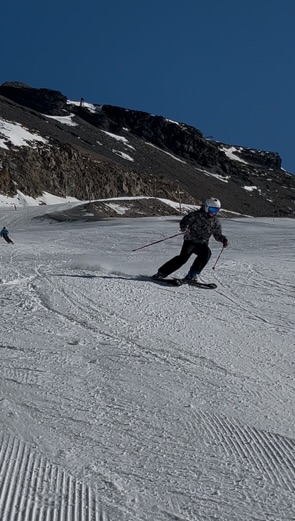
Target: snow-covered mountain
{"type": "Point", "coordinates": [87, 151]}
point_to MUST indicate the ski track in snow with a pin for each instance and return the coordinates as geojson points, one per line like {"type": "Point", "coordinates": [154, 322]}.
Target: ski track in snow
{"type": "Point", "coordinates": [32, 489]}
{"type": "Point", "coordinates": [124, 400]}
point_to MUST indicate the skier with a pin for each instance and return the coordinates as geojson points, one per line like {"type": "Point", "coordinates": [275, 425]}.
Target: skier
{"type": "Point", "coordinates": [4, 233]}
{"type": "Point", "coordinates": [198, 226]}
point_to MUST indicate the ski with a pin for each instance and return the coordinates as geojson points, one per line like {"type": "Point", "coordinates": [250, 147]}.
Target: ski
{"type": "Point", "coordinates": [170, 282]}
{"type": "Point", "coordinates": [205, 285]}
{"type": "Point", "coordinates": [180, 282]}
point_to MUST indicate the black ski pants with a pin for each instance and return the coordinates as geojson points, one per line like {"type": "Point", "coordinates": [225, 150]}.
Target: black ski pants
{"type": "Point", "coordinates": [202, 251]}
{"type": "Point", "coordinates": [7, 239]}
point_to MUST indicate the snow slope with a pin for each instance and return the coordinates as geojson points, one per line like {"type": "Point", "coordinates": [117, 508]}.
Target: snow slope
{"type": "Point", "coordinates": [139, 402]}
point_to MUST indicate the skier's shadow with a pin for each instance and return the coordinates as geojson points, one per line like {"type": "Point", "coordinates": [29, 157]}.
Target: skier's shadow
{"type": "Point", "coordinates": [91, 276]}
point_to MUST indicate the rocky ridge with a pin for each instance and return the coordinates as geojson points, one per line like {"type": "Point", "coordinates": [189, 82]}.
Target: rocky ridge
{"type": "Point", "coordinates": [90, 151]}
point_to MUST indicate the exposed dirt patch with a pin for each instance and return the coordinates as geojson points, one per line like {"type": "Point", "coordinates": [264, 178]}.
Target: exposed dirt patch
{"type": "Point", "coordinates": [97, 210]}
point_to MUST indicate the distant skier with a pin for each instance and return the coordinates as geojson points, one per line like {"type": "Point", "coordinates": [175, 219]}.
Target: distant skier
{"type": "Point", "coordinates": [198, 226]}
{"type": "Point", "coordinates": [4, 233]}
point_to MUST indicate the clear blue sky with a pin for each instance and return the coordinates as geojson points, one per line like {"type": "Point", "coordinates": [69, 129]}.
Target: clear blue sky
{"type": "Point", "coordinates": [224, 66]}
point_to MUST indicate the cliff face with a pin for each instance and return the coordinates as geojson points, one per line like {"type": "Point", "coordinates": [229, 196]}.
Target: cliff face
{"type": "Point", "coordinates": [98, 151]}
{"type": "Point", "coordinates": [64, 171]}
{"type": "Point", "coordinates": [183, 140]}
{"type": "Point", "coordinates": [42, 100]}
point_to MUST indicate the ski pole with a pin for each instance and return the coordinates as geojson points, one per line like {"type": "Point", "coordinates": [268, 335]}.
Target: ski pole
{"type": "Point", "coordinates": [161, 240]}
{"type": "Point", "coordinates": [213, 267]}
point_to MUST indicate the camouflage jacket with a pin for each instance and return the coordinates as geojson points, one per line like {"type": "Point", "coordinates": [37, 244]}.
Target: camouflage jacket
{"type": "Point", "coordinates": [200, 227]}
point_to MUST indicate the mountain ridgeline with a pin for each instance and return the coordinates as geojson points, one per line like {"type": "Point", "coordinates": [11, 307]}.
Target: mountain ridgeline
{"type": "Point", "coordinates": [91, 151]}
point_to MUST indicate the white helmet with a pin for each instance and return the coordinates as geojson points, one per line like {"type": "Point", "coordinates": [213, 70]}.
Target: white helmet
{"type": "Point", "coordinates": [212, 203]}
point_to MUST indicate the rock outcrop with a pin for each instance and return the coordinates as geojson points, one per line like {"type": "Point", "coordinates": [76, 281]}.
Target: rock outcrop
{"type": "Point", "coordinates": [98, 151]}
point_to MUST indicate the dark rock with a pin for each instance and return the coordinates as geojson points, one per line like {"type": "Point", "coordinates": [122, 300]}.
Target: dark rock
{"type": "Point", "coordinates": [45, 101]}
{"type": "Point", "coordinates": [112, 152]}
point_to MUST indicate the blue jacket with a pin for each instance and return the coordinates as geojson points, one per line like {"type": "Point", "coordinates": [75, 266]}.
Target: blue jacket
{"type": "Point", "coordinates": [4, 231]}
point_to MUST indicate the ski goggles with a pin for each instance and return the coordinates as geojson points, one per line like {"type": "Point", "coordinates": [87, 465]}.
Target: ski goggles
{"type": "Point", "coordinates": [213, 210]}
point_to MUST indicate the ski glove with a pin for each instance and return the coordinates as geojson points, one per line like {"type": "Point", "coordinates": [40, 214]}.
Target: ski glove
{"type": "Point", "coordinates": [225, 243]}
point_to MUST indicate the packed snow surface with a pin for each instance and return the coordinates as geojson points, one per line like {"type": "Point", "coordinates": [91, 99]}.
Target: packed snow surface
{"type": "Point", "coordinates": [136, 401]}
